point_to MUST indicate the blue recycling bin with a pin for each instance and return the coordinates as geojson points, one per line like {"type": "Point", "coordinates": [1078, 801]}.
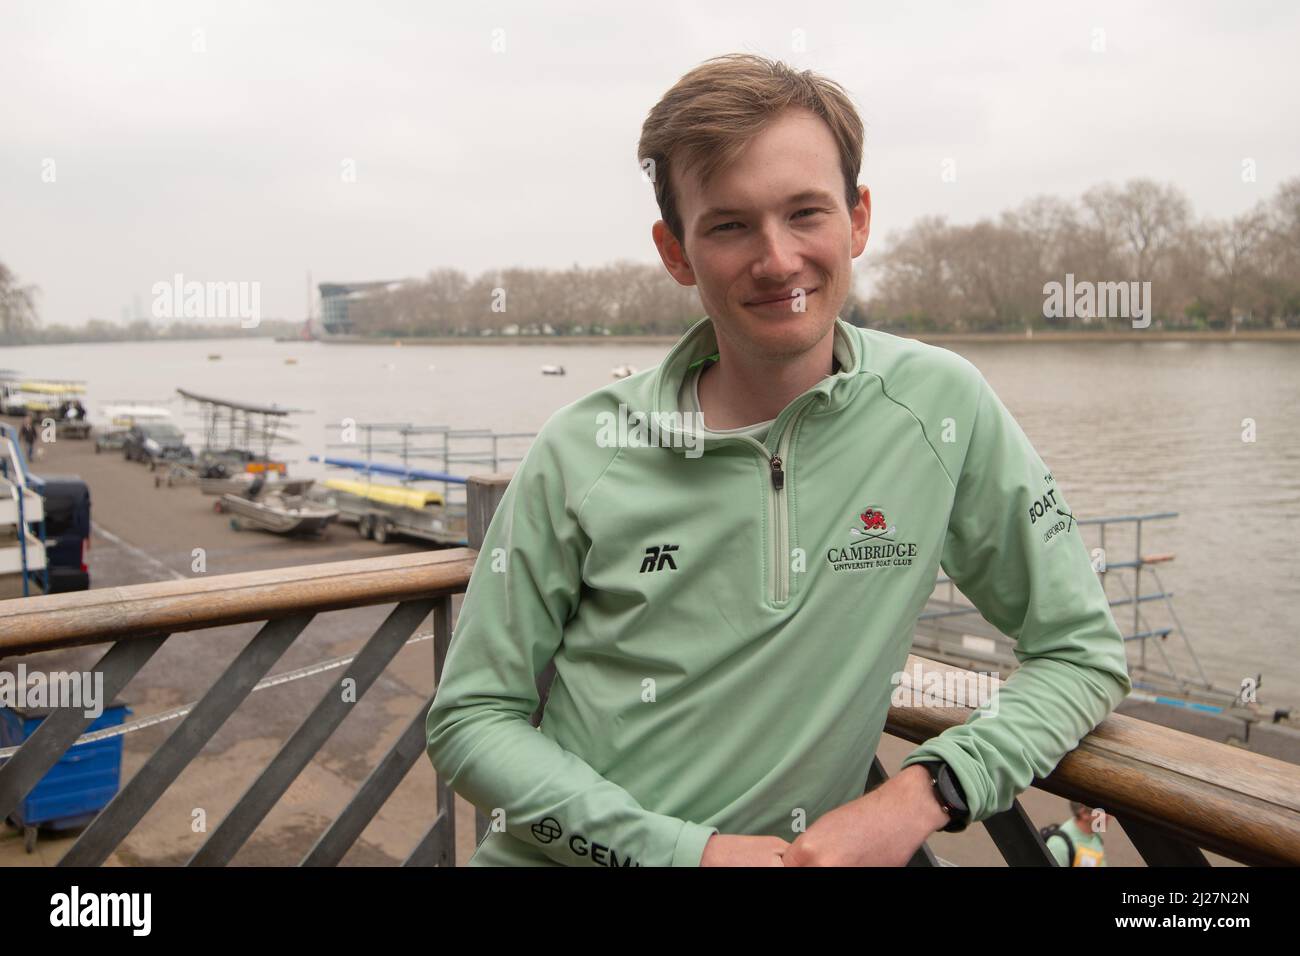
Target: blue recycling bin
{"type": "Point", "coordinates": [76, 788]}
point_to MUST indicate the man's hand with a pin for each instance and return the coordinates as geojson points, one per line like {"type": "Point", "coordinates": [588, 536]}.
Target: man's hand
{"type": "Point", "coordinates": [727, 849]}
{"type": "Point", "coordinates": [882, 828]}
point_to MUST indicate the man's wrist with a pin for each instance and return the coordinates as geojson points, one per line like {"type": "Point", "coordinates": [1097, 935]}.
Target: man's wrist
{"type": "Point", "coordinates": [932, 816]}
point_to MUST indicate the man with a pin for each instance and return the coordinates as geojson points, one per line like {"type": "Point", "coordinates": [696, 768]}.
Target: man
{"type": "Point", "coordinates": [728, 579]}
{"type": "Point", "coordinates": [1076, 842]}
{"type": "Point", "coordinates": [27, 435]}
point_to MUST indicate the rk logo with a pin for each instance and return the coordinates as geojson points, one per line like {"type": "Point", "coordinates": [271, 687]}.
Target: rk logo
{"type": "Point", "coordinates": [656, 558]}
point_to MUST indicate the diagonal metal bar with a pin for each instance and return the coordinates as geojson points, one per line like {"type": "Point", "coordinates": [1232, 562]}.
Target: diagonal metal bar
{"type": "Point", "coordinates": [135, 799]}
{"type": "Point", "coordinates": [876, 775]}
{"type": "Point", "coordinates": [298, 751]}
{"type": "Point", "coordinates": [444, 836]}
{"type": "Point", "coordinates": [1158, 848]}
{"type": "Point", "coordinates": [361, 809]}
{"type": "Point", "coordinates": [56, 733]}
{"type": "Point", "coordinates": [923, 856]}
{"type": "Point", "coordinates": [1017, 839]}
{"type": "Point", "coordinates": [432, 848]}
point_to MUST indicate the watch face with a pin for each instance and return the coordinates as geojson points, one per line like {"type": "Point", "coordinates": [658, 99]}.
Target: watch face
{"type": "Point", "coordinates": [952, 792]}
{"type": "Point", "coordinates": [956, 784]}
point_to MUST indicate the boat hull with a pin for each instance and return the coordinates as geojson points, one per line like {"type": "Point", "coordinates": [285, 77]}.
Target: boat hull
{"type": "Point", "coordinates": [238, 484]}
{"type": "Point", "coordinates": [279, 514]}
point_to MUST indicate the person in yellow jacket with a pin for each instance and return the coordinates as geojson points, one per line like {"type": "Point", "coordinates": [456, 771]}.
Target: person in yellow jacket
{"type": "Point", "coordinates": [1077, 841]}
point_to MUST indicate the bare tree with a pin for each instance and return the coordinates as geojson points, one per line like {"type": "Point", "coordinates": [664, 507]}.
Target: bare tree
{"type": "Point", "coordinates": [1142, 222]}
{"type": "Point", "coordinates": [992, 274]}
{"type": "Point", "coordinates": [1232, 248]}
{"type": "Point", "coordinates": [17, 305]}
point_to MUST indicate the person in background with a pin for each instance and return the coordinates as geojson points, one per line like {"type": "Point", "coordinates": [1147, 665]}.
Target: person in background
{"type": "Point", "coordinates": [1076, 842]}
{"type": "Point", "coordinates": [27, 434]}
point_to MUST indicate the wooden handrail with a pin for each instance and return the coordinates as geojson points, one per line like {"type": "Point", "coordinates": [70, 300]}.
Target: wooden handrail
{"type": "Point", "coordinates": [50, 621]}
{"type": "Point", "coordinates": [1243, 805]}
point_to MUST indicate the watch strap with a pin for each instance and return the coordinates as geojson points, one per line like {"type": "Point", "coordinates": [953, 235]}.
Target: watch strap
{"type": "Point", "coordinates": [947, 790]}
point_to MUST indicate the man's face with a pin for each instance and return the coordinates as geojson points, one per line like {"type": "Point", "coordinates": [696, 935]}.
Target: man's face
{"type": "Point", "coordinates": [773, 222]}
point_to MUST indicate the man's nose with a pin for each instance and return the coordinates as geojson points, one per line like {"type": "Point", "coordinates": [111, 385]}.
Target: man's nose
{"type": "Point", "coordinates": [777, 256]}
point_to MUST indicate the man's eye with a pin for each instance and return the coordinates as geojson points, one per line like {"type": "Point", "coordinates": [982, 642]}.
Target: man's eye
{"type": "Point", "coordinates": [723, 226]}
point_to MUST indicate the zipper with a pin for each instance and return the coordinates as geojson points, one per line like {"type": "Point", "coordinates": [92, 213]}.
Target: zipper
{"type": "Point", "coordinates": [778, 507]}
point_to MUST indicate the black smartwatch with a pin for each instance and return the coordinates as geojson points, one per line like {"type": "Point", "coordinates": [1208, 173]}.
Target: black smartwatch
{"type": "Point", "coordinates": [949, 794]}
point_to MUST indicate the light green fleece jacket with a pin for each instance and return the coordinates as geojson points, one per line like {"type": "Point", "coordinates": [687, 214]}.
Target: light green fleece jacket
{"type": "Point", "coordinates": [726, 615]}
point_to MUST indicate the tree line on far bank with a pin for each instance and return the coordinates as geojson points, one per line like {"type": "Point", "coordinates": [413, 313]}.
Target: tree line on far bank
{"type": "Point", "coordinates": [620, 298]}
{"type": "Point", "coordinates": [933, 277]}
{"type": "Point", "coordinates": [991, 275]}
{"type": "Point", "coordinates": [20, 323]}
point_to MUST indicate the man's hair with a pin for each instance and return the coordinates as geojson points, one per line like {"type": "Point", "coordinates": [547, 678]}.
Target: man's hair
{"type": "Point", "coordinates": [1077, 808]}
{"type": "Point", "coordinates": [710, 115]}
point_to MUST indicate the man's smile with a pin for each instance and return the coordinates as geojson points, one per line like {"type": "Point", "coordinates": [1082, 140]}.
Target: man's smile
{"type": "Point", "coordinates": [780, 299]}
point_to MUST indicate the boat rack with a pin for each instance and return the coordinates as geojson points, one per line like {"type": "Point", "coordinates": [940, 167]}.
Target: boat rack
{"type": "Point", "coordinates": [951, 629]}
{"type": "Point", "coordinates": [241, 425]}
{"type": "Point", "coordinates": [414, 448]}
{"type": "Point", "coordinates": [414, 455]}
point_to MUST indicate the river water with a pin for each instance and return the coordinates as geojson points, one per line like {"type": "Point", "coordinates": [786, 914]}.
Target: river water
{"type": "Point", "coordinates": [1125, 428]}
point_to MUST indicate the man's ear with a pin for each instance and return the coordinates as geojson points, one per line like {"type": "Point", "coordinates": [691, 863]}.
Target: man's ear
{"type": "Point", "coordinates": [673, 254]}
{"type": "Point", "coordinates": [860, 222]}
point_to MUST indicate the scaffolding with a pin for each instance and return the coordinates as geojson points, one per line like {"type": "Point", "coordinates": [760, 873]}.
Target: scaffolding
{"type": "Point", "coordinates": [416, 456]}
{"type": "Point", "coordinates": [411, 448]}
{"type": "Point", "coordinates": [951, 629]}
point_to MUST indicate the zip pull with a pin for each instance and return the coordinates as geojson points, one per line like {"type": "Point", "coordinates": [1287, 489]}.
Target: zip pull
{"type": "Point", "coordinates": [778, 476]}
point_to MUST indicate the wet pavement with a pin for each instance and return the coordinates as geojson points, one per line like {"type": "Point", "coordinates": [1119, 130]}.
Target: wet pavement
{"type": "Point", "coordinates": [143, 533]}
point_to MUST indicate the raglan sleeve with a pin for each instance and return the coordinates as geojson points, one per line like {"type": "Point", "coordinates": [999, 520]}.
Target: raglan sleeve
{"type": "Point", "coordinates": [525, 586]}
{"type": "Point", "coordinates": [1014, 548]}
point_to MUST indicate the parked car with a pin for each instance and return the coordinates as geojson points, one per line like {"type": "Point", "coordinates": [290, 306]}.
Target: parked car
{"type": "Point", "coordinates": [156, 441]}
{"type": "Point", "coordinates": [121, 416]}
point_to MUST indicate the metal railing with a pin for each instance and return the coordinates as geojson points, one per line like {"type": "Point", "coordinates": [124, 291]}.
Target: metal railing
{"type": "Point", "coordinates": [1174, 794]}
{"type": "Point", "coordinates": [412, 445]}
{"type": "Point", "coordinates": [133, 623]}
{"type": "Point", "coordinates": [13, 474]}
{"type": "Point", "coordinates": [945, 609]}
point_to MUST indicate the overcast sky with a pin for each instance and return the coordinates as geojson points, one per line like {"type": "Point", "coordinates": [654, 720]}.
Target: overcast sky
{"type": "Point", "coordinates": [210, 139]}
